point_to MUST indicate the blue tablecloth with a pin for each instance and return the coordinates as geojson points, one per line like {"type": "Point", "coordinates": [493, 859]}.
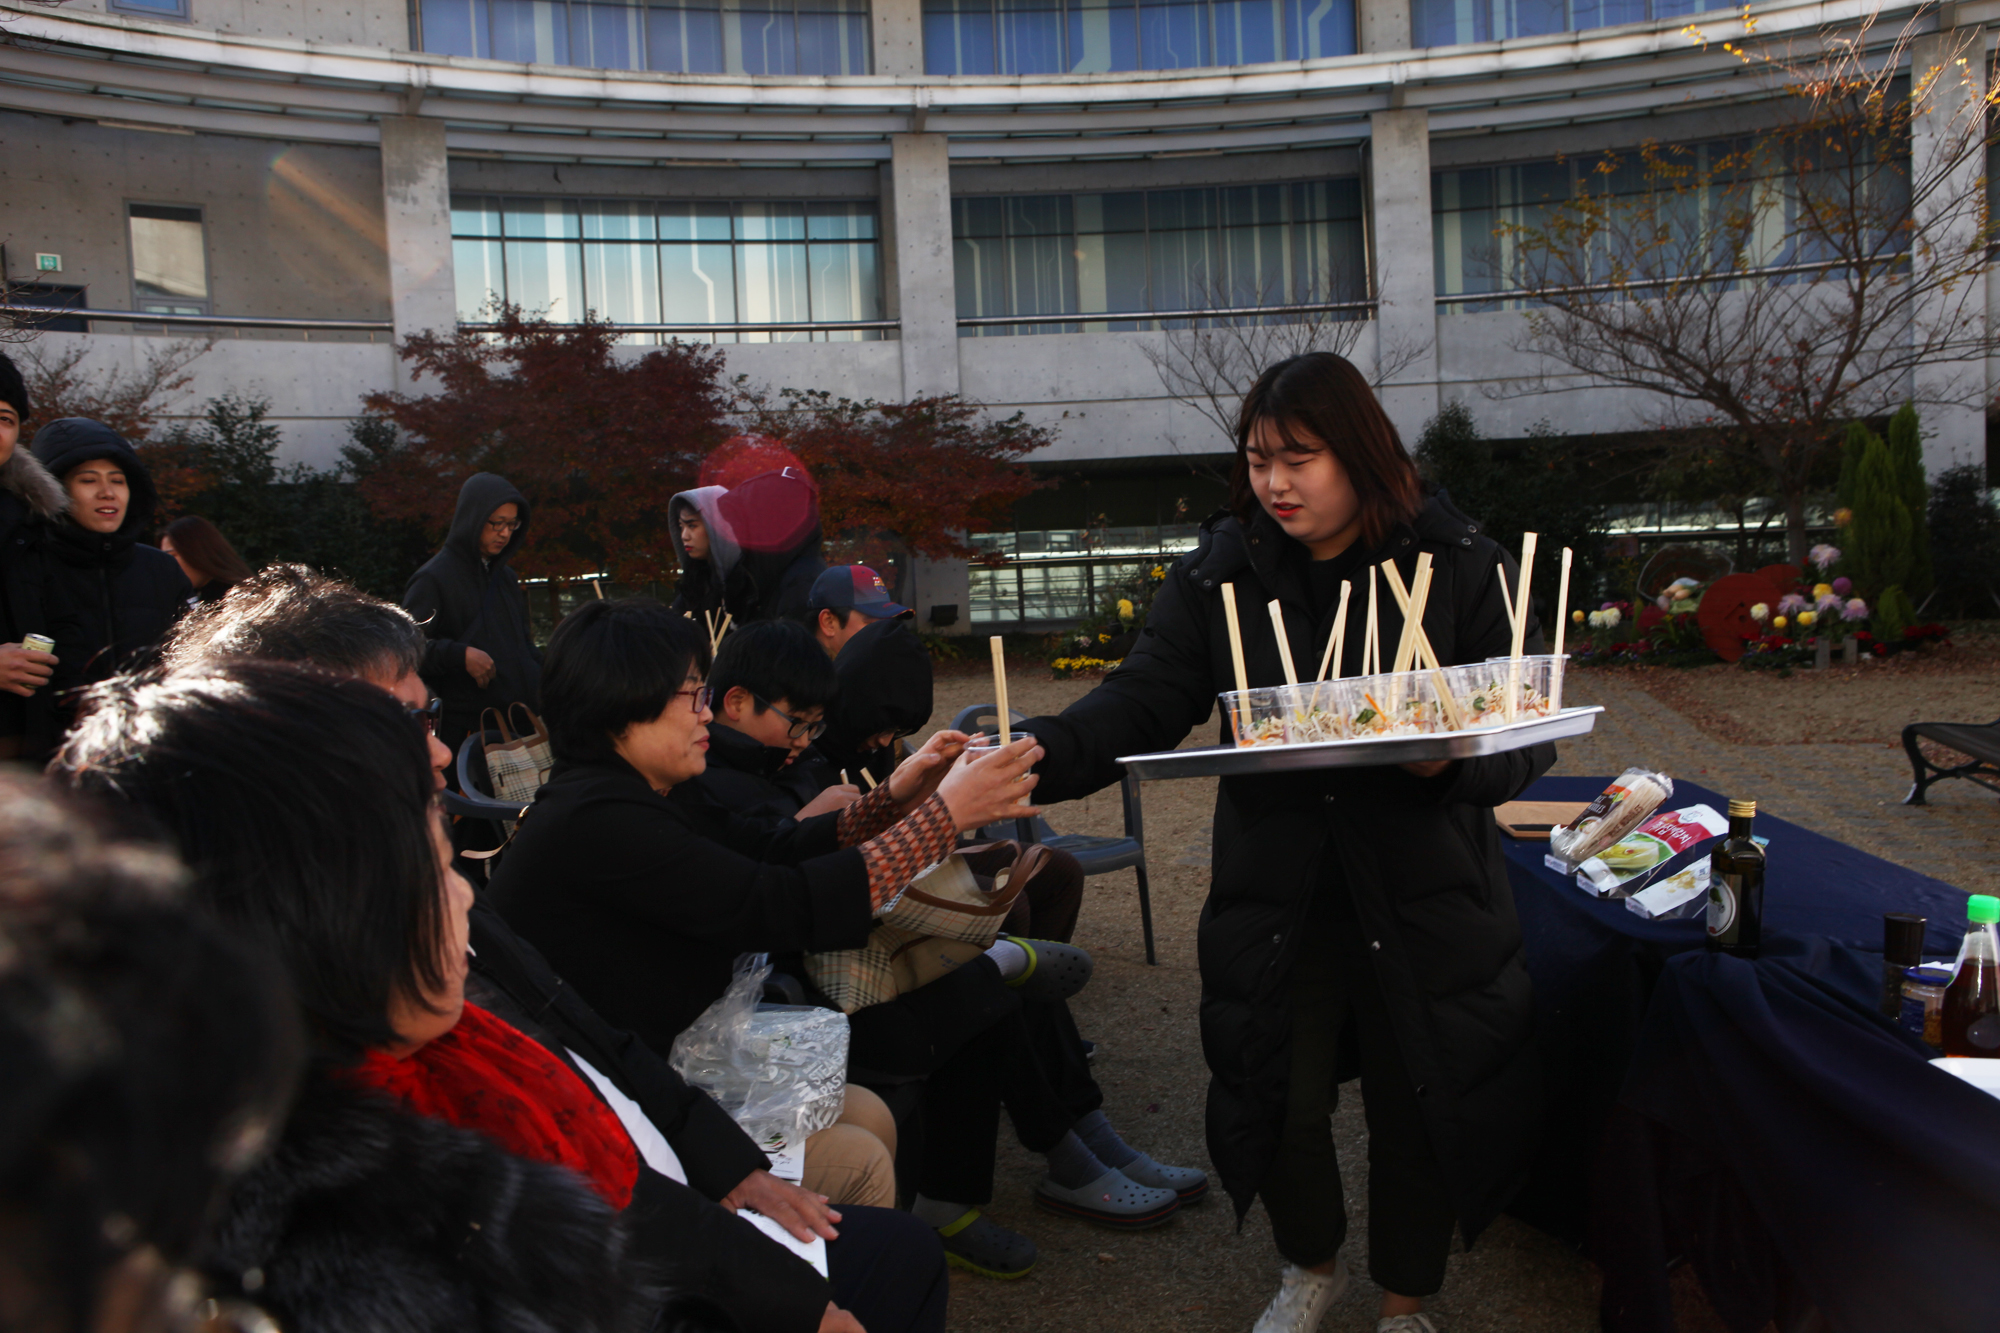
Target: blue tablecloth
{"type": "Point", "coordinates": [1639, 1008]}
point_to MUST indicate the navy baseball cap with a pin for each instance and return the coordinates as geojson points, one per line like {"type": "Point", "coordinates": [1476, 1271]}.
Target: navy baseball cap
{"type": "Point", "coordinates": [857, 588]}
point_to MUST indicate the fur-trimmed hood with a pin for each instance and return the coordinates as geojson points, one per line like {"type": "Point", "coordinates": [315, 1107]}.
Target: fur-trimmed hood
{"type": "Point", "coordinates": [24, 476]}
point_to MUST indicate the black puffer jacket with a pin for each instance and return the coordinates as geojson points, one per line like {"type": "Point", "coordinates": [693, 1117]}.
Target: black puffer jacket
{"type": "Point", "coordinates": [368, 1217]}
{"type": "Point", "coordinates": [886, 684]}
{"type": "Point", "coordinates": [1421, 857]}
{"type": "Point", "coordinates": [464, 601]}
{"type": "Point", "coordinates": [106, 599]}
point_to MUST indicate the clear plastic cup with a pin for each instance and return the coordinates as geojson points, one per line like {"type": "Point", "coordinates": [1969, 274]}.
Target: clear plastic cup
{"type": "Point", "coordinates": [1256, 717]}
{"type": "Point", "coordinates": [1318, 712]}
{"type": "Point", "coordinates": [1537, 689]}
{"type": "Point", "coordinates": [1480, 689]}
{"type": "Point", "coordinates": [1395, 703]}
{"type": "Point", "coordinates": [985, 743]}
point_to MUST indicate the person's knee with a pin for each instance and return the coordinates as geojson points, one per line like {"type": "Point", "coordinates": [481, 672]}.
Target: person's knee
{"type": "Point", "coordinates": [849, 1165]}
{"type": "Point", "coordinates": [868, 1111]}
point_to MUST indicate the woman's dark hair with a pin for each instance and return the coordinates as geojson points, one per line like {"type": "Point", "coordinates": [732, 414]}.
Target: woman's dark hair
{"type": "Point", "coordinates": [290, 613]}
{"type": "Point", "coordinates": [611, 664]}
{"type": "Point", "coordinates": [775, 659]}
{"type": "Point", "coordinates": [303, 803]}
{"type": "Point", "coordinates": [201, 544]}
{"type": "Point", "coordinates": [1322, 394]}
{"type": "Point", "coordinates": [149, 1058]}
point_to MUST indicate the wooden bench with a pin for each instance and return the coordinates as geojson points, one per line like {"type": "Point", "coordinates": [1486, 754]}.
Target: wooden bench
{"type": "Point", "coordinates": [1980, 742]}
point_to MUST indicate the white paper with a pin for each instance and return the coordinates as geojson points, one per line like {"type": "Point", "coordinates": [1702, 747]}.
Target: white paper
{"type": "Point", "coordinates": [814, 1253]}
{"type": "Point", "coordinates": [646, 1137]}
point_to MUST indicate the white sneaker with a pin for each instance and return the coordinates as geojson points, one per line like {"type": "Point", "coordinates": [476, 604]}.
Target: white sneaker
{"type": "Point", "coordinates": [1406, 1323]}
{"type": "Point", "coordinates": [1303, 1299]}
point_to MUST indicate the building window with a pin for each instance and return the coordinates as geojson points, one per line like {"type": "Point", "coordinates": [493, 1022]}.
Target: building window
{"type": "Point", "coordinates": [1454, 22]}
{"type": "Point", "coordinates": [152, 9]}
{"type": "Point", "coordinates": [1157, 250]}
{"type": "Point", "coordinates": [672, 36]}
{"type": "Point", "coordinates": [169, 260]}
{"type": "Point", "coordinates": [1105, 36]}
{"type": "Point", "coordinates": [648, 262]}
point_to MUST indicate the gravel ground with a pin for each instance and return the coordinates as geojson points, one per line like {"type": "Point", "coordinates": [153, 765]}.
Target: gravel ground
{"type": "Point", "coordinates": [1817, 749]}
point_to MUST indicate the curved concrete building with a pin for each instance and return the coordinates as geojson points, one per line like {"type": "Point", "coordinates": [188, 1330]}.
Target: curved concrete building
{"type": "Point", "coordinates": [883, 198]}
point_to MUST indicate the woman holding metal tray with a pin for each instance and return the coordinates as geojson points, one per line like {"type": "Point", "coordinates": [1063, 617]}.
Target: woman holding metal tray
{"type": "Point", "coordinates": [1359, 921]}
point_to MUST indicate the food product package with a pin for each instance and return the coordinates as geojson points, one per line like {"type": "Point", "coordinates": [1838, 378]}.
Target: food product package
{"type": "Point", "coordinates": [1626, 865]}
{"type": "Point", "coordinates": [1675, 897]}
{"type": "Point", "coordinates": [1616, 811]}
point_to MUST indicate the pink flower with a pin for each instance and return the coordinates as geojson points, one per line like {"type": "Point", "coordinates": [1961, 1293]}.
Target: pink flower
{"type": "Point", "coordinates": [1824, 556]}
{"type": "Point", "coordinates": [1792, 603]}
{"type": "Point", "coordinates": [1843, 585]}
{"type": "Point", "coordinates": [1830, 602]}
{"type": "Point", "coordinates": [1855, 610]}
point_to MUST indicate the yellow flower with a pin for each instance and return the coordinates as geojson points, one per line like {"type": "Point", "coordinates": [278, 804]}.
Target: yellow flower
{"type": "Point", "coordinates": [1124, 608]}
{"type": "Point", "coordinates": [1778, 622]}
{"type": "Point", "coordinates": [1104, 638]}
{"type": "Point", "coordinates": [1807, 617]}
{"type": "Point", "coordinates": [1576, 616]}
{"type": "Point", "coordinates": [1842, 517]}
{"type": "Point", "coordinates": [1822, 590]}
{"type": "Point", "coordinates": [1159, 571]}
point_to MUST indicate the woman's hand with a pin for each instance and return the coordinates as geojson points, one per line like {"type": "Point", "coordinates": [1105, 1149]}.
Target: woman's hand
{"type": "Point", "coordinates": [799, 1211]}
{"type": "Point", "coordinates": [23, 670]}
{"type": "Point", "coordinates": [837, 1320]}
{"type": "Point", "coordinates": [831, 801]}
{"type": "Point", "coordinates": [919, 775]}
{"type": "Point", "coordinates": [986, 790]}
{"type": "Point", "coordinates": [1428, 768]}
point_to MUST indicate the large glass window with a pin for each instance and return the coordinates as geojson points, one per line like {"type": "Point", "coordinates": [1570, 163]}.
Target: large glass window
{"type": "Point", "coordinates": [657, 262]}
{"type": "Point", "coordinates": [1157, 250]}
{"type": "Point", "coordinates": [1103, 36]}
{"type": "Point", "coordinates": [1453, 22]}
{"type": "Point", "coordinates": [169, 260]}
{"type": "Point", "coordinates": [675, 36]}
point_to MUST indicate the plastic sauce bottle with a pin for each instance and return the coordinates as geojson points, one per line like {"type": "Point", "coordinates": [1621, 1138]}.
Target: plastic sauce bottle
{"type": "Point", "coordinates": [1971, 1018]}
{"type": "Point", "coordinates": [1736, 887]}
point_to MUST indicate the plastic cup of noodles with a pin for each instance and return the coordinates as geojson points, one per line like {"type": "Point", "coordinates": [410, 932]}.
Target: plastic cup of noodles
{"type": "Point", "coordinates": [1481, 691]}
{"type": "Point", "coordinates": [1539, 683]}
{"type": "Point", "coordinates": [1256, 716]}
{"type": "Point", "coordinates": [1319, 711]}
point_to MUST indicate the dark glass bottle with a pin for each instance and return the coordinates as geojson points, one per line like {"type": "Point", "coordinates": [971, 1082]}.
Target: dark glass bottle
{"type": "Point", "coordinates": [1736, 887]}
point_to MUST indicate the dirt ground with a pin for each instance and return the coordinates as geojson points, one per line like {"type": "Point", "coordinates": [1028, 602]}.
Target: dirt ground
{"type": "Point", "coordinates": [1821, 749]}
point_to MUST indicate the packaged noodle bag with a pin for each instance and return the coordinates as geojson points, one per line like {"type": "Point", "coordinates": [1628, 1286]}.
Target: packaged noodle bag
{"type": "Point", "coordinates": [1616, 811]}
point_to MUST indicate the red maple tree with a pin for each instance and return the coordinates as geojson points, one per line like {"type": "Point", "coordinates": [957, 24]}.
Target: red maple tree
{"type": "Point", "coordinates": [598, 442]}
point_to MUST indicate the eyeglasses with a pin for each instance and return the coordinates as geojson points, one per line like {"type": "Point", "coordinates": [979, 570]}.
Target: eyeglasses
{"type": "Point", "coordinates": [704, 695]}
{"type": "Point", "coordinates": [503, 524]}
{"type": "Point", "coordinates": [799, 728]}
{"type": "Point", "coordinates": [428, 716]}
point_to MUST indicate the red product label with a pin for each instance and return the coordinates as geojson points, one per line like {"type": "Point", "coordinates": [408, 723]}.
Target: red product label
{"type": "Point", "coordinates": [1668, 828]}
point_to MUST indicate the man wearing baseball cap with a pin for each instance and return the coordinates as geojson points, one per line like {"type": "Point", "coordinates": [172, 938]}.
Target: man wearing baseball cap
{"type": "Point", "coordinates": [846, 600]}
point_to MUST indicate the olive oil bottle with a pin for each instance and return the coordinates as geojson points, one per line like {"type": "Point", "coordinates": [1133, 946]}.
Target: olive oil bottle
{"type": "Point", "coordinates": [1736, 887]}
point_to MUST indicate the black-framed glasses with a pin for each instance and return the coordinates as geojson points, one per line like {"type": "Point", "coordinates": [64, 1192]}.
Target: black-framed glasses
{"type": "Point", "coordinates": [504, 524]}
{"type": "Point", "coordinates": [704, 695]}
{"type": "Point", "coordinates": [428, 717]}
{"type": "Point", "coordinates": [800, 728]}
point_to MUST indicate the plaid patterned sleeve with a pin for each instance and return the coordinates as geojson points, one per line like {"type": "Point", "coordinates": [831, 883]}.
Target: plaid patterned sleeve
{"type": "Point", "coordinates": [896, 855]}
{"type": "Point", "coordinates": [868, 816]}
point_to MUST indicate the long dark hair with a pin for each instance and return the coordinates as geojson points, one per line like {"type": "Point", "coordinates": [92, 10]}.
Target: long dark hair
{"type": "Point", "coordinates": [302, 801]}
{"type": "Point", "coordinates": [1323, 394]}
{"type": "Point", "coordinates": [201, 544]}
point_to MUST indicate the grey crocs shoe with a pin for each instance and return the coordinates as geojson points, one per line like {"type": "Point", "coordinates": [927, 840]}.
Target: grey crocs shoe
{"type": "Point", "coordinates": [1055, 971]}
{"type": "Point", "coordinates": [1111, 1200]}
{"type": "Point", "coordinates": [986, 1248]}
{"type": "Point", "coordinates": [1190, 1183]}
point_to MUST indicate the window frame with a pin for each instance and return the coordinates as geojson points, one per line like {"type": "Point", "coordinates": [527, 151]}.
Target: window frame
{"type": "Point", "coordinates": [207, 301]}
{"type": "Point", "coordinates": [864, 13]}
{"type": "Point", "coordinates": [133, 9]}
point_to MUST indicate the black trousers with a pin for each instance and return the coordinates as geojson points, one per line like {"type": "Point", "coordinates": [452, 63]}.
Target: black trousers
{"type": "Point", "coordinates": [887, 1270]}
{"type": "Point", "coordinates": [976, 1046]}
{"type": "Point", "coordinates": [1410, 1215]}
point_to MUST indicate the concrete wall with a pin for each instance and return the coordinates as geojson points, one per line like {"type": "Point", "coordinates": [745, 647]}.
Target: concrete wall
{"type": "Point", "coordinates": [292, 229]}
{"type": "Point", "coordinates": [382, 24]}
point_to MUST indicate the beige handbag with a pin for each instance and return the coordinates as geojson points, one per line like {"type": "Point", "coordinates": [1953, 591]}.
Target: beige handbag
{"type": "Point", "coordinates": [518, 763]}
{"type": "Point", "coordinates": [944, 919]}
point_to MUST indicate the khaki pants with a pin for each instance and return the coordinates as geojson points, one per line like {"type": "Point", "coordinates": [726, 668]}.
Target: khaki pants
{"type": "Point", "coordinates": [853, 1160]}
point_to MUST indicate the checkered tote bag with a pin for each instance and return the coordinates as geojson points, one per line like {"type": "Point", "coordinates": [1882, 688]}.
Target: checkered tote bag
{"type": "Point", "coordinates": [519, 762]}
{"type": "Point", "coordinates": [944, 912]}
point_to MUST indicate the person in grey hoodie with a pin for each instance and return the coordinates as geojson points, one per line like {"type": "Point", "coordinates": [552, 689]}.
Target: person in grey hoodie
{"type": "Point", "coordinates": [710, 559]}
{"type": "Point", "coordinates": [482, 651]}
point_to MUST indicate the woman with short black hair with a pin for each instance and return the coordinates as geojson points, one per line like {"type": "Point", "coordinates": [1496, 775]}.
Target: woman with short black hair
{"type": "Point", "coordinates": [1359, 919]}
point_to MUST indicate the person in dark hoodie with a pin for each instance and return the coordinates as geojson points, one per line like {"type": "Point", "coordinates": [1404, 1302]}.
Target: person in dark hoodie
{"type": "Point", "coordinates": [84, 579]}
{"type": "Point", "coordinates": [708, 555]}
{"type": "Point", "coordinates": [482, 652]}
{"type": "Point", "coordinates": [28, 495]}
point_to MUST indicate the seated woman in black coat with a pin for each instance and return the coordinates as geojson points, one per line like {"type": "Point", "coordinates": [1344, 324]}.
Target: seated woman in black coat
{"type": "Point", "coordinates": [367, 1217]}
{"type": "Point", "coordinates": [85, 580]}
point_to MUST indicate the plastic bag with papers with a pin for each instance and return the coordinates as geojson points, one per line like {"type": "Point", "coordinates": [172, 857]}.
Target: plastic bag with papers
{"type": "Point", "coordinates": [779, 1070]}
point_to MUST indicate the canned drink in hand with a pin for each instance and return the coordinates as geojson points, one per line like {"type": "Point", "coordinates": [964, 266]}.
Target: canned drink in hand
{"type": "Point", "coordinates": [38, 643]}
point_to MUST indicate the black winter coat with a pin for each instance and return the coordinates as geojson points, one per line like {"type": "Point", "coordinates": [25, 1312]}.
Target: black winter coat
{"type": "Point", "coordinates": [366, 1216]}
{"type": "Point", "coordinates": [465, 602]}
{"type": "Point", "coordinates": [687, 1239]}
{"type": "Point", "coordinates": [644, 908]}
{"type": "Point", "coordinates": [1420, 856]}
{"type": "Point", "coordinates": [107, 600]}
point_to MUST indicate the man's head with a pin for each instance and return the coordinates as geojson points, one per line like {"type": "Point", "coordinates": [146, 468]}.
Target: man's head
{"type": "Point", "coordinates": [773, 683]}
{"type": "Point", "coordinates": [99, 494]}
{"type": "Point", "coordinates": [105, 482]}
{"type": "Point", "coordinates": [289, 613]}
{"type": "Point", "coordinates": [15, 406]}
{"type": "Point", "coordinates": [499, 530]}
{"type": "Point", "coordinates": [847, 599]}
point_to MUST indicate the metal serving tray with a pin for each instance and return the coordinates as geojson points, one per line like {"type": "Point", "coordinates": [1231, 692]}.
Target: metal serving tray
{"type": "Point", "coordinates": [1230, 761]}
